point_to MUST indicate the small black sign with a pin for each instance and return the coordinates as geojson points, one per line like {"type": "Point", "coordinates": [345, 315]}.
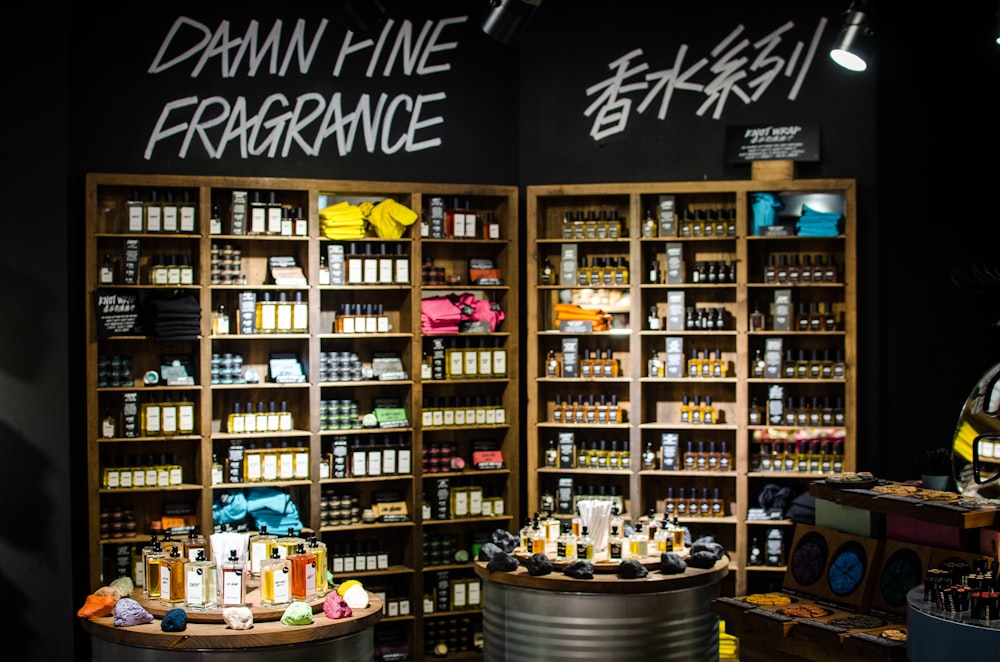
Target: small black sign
{"type": "Point", "coordinates": [771, 142]}
{"type": "Point", "coordinates": [117, 313]}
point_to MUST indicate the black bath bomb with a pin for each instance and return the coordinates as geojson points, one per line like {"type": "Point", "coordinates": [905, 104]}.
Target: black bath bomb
{"type": "Point", "coordinates": [488, 551]}
{"type": "Point", "coordinates": [672, 564]}
{"type": "Point", "coordinates": [538, 565]}
{"type": "Point", "coordinates": [580, 570]}
{"type": "Point", "coordinates": [632, 570]}
{"type": "Point", "coordinates": [709, 546]}
{"type": "Point", "coordinates": [504, 562]}
{"type": "Point", "coordinates": [701, 560]}
{"type": "Point", "coordinates": [505, 540]}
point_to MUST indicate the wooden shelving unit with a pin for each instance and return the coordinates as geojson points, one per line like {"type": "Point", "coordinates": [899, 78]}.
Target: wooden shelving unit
{"type": "Point", "coordinates": [127, 354]}
{"type": "Point", "coordinates": [652, 404]}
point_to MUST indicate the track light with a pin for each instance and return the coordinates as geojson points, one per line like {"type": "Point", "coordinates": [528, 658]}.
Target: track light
{"type": "Point", "coordinates": [852, 48]}
{"type": "Point", "coordinates": [358, 15]}
{"type": "Point", "coordinates": [505, 19]}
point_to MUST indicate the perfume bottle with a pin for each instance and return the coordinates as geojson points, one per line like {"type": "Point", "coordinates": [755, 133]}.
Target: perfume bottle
{"type": "Point", "coordinates": [201, 583]}
{"type": "Point", "coordinates": [233, 583]}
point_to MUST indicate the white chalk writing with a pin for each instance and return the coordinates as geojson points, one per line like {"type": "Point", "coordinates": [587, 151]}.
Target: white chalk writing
{"type": "Point", "coordinates": [278, 126]}
{"type": "Point", "coordinates": [739, 69]}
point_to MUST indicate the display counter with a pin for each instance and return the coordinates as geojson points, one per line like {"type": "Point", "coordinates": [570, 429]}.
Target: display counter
{"type": "Point", "coordinates": [556, 617]}
{"type": "Point", "coordinates": [207, 637]}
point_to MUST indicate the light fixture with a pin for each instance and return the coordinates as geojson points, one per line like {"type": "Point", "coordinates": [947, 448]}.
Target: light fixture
{"type": "Point", "coordinates": [358, 15]}
{"type": "Point", "coordinates": [505, 19]}
{"type": "Point", "coordinates": [852, 48]}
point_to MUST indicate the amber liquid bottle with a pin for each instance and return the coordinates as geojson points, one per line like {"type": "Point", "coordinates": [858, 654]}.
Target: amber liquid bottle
{"type": "Point", "coordinates": [303, 570]}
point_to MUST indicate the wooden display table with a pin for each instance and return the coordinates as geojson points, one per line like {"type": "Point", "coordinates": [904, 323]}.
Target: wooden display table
{"type": "Point", "coordinates": [208, 637]}
{"type": "Point", "coordinates": [555, 617]}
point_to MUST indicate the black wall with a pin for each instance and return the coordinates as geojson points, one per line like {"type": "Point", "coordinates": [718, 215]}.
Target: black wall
{"type": "Point", "coordinates": [917, 131]}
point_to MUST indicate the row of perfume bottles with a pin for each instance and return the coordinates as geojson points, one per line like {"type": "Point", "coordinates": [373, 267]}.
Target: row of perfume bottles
{"type": "Point", "coordinates": [161, 270]}
{"type": "Point", "coordinates": [383, 455]}
{"type": "Point", "coordinates": [817, 411]}
{"type": "Point", "coordinates": [272, 419]}
{"type": "Point", "coordinates": [698, 456]}
{"type": "Point", "coordinates": [157, 418]}
{"type": "Point", "coordinates": [814, 316]}
{"type": "Point", "coordinates": [600, 454]}
{"type": "Point", "coordinates": [364, 318]}
{"type": "Point", "coordinates": [706, 222]}
{"type": "Point", "coordinates": [463, 411]}
{"type": "Point", "coordinates": [269, 217]}
{"type": "Point", "coordinates": [696, 411]}
{"type": "Point", "coordinates": [771, 554]}
{"type": "Point", "coordinates": [696, 318]}
{"type": "Point", "coordinates": [599, 363]}
{"type": "Point", "coordinates": [706, 363]}
{"type": "Point", "coordinates": [592, 224]}
{"type": "Point", "coordinates": [703, 272]}
{"type": "Point", "coordinates": [696, 503]}
{"type": "Point", "coordinates": [250, 463]}
{"type": "Point", "coordinates": [602, 271]}
{"type": "Point", "coordinates": [802, 456]}
{"type": "Point", "coordinates": [365, 266]}
{"type": "Point", "coordinates": [587, 410]}
{"type": "Point", "coordinates": [127, 472]}
{"type": "Point", "coordinates": [160, 212]}
{"type": "Point", "coordinates": [794, 268]}
{"type": "Point", "coordinates": [458, 221]}
{"type": "Point", "coordinates": [464, 359]}
{"type": "Point", "coordinates": [819, 365]}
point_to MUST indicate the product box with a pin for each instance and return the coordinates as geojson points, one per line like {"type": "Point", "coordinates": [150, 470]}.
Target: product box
{"type": "Point", "coordinates": [438, 358]}
{"type": "Point", "coordinates": [248, 313]}
{"type": "Point", "coordinates": [335, 263]}
{"type": "Point", "coordinates": [568, 264]}
{"type": "Point", "coordinates": [130, 262]}
{"type": "Point", "coordinates": [668, 451]}
{"type": "Point", "coordinates": [567, 450]}
{"type": "Point", "coordinates": [675, 263]}
{"type": "Point", "coordinates": [442, 584]}
{"type": "Point", "coordinates": [130, 414]}
{"type": "Point", "coordinates": [668, 216]}
{"type": "Point", "coordinates": [675, 310]}
{"type": "Point", "coordinates": [436, 226]}
{"type": "Point", "coordinates": [564, 497]}
{"type": "Point", "coordinates": [773, 348]}
{"type": "Point", "coordinates": [238, 213]}
{"type": "Point", "coordinates": [570, 351]}
{"type": "Point", "coordinates": [775, 404]}
{"type": "Point", "coordinates": [674, 357]}
{"type": "Point", "coordinates": [442, 499]}
{"type": "Point", "coordinates": [782, 310]}
{"type": "Point", "coordinates": [338, 459]}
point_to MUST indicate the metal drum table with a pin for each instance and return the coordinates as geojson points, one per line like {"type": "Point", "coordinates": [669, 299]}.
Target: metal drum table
{"type": "Point", "coordinates": [555, 617]}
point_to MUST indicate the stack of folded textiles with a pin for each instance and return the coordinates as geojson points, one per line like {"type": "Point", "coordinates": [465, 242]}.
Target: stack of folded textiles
{"type": "Point", "coordinates": [172, 317]}
{"type": "Point", "coordinates": [814, 223]}
{"type": "Point", "coordinates": [342, 221]}
{"type": "Point", "coordinates": [601, 321]}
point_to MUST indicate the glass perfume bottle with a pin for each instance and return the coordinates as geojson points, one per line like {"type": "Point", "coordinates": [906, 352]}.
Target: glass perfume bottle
{"type": "Point", "coordinates": [233, 582]}
{"type": "Point", "coordinates": [201, 593]}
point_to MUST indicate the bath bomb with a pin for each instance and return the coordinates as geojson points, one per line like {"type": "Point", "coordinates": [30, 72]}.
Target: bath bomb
{"type": "Point", "coordinates": [124, 584]}
{"type": "Point", "coordinates": [96, 605]}
{"type": "Point", "coordinates": [297, 613]}
{"type": "Point", "coordinates": [336, 607]}
{"type": "Point", "coordinates": [238, 618]}
{"type": "Point", "coordinates": [175, 620]}
{"type": "Point", "coordinates": [129, 612]}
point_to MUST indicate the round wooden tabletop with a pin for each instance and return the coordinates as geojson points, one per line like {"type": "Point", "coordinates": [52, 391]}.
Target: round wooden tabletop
{"type": "Point", "coordinates": [608, 582]}
{"type": "Point", "coordinates": [208, 630]}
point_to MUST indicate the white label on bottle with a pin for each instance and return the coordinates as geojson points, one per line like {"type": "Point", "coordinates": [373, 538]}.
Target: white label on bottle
{"type": "Point", "coordinates": [274, 220]}
{"type": "Point", "coordinates": [499, 362]}
{"type": "Point", "coordinates": [375, 463]}
{"type": "Point", "coordinates": [358, 463]}
{"type": "Point", "coordinates": [286, 466]}
{"type": "Point", "coordinates": [187, 219]}
{"type": "Point", "coordinates": [232, 587]}
{"type": "Point", "coordinates": [253, 466]}
{"type": "Point", "coordinates": [385, 269]}
{"type": "Point", "coordinates": [485, 363]}
{"type": "Point", "coordinates": [154, 217]}
{"type": "Point", "coordinates": [258, 220]}
{"type": "Point", "coordinates": [152, 419]}
{"type": "Point", "coordinates": [283, 318]}
{"type": "Point", "coordinates": [185, 418]}
{"type": "Point", "coordinates": [269, 467]}
{"type": "Point", "coordinates": [402, 270]}
{"type": "Point", "coordinates": [164, 580]}
{"type": "Point", "coordinates": [389, 460]}
{"type": "Point", "coordinates": [403, 460]}
{"type": "Point", "coordinates": [169, 420]}
{"type": "Point", "coordinates": [170, 219]}
{"type": "Point", "coordinates": [135, 214]}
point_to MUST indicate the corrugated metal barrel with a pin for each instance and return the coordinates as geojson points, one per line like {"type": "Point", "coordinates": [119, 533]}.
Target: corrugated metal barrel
{"type": "Point", "coordinates": [522, 624]}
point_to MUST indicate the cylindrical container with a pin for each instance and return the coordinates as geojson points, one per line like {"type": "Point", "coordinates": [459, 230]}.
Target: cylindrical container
{"type": "Point", "coordinates": [522, 624]}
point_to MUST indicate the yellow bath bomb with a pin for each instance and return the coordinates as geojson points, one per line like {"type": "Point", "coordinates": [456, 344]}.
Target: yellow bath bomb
{"type": "Point", "coordinates": [356, 596]}
{"type": "Point", "coordinates": [343, 588]}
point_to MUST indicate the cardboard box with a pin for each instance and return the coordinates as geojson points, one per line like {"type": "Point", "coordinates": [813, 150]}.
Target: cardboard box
{"type": "Point", "coordinates": [675, 310]}
{"type": "Point", "coordinates": [568, 264]}
{"type": "Point", "coordinates": [673, 366]}
{"type": "Point", "coordinates": [668, 216]}
{"type": "Point", "coordinates": [675, 263]}
{"type": "Point", "coordinates": [238, 212]}
{"type": "Point", "coordinates": [782, 310]}
{"type": "Point", "coordinates": [772, 358]}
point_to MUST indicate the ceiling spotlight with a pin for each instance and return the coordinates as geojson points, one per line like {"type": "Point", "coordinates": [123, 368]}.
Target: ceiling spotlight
{"type": "Point", "coordinates": [505, 19]}
{"type": "Point", "coordinates": [852, 48]}
{"type": "Point", "coordinates": [358, 15]}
